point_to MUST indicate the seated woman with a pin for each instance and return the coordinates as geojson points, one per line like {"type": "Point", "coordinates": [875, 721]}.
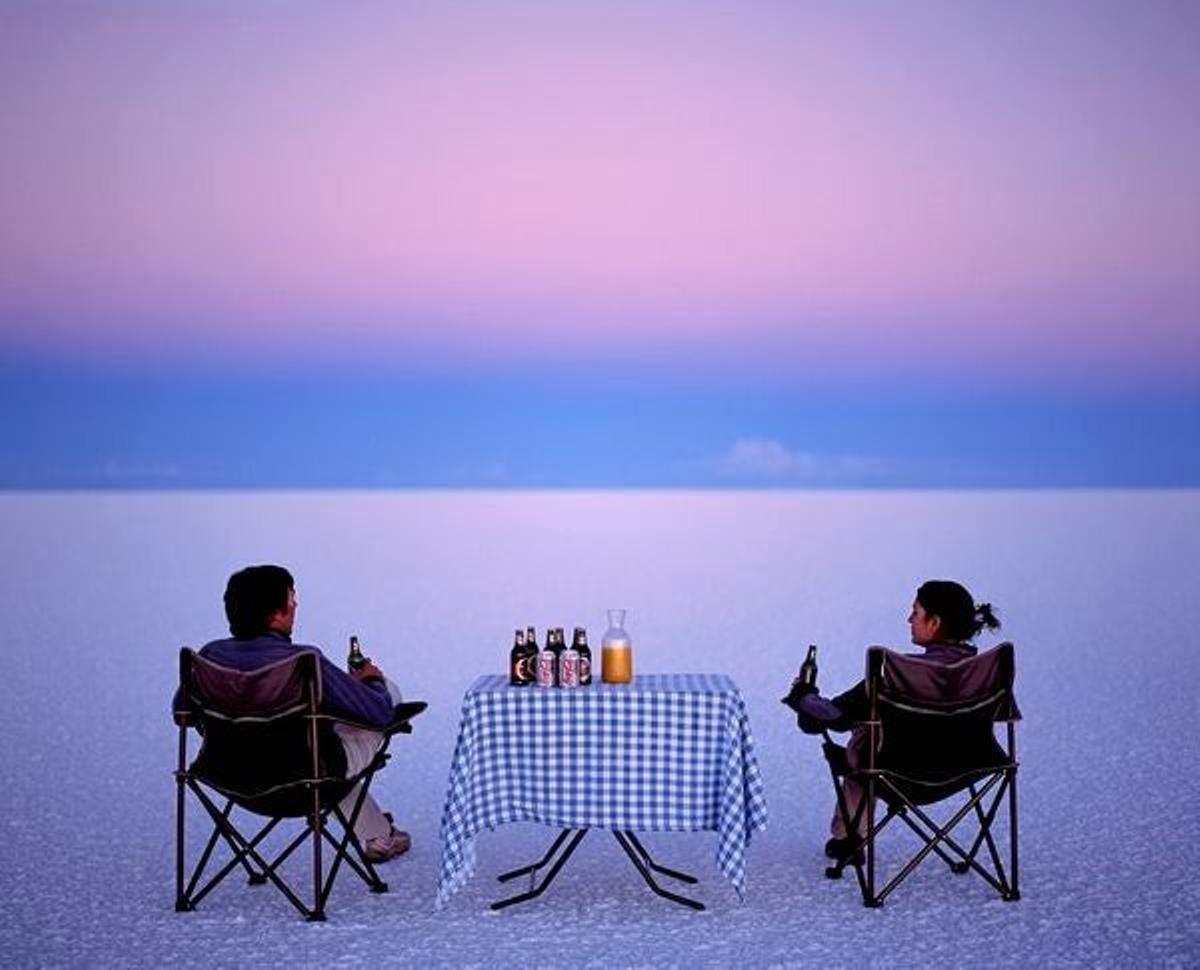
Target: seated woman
{"type": "Point", "coordinates": [943, 621]}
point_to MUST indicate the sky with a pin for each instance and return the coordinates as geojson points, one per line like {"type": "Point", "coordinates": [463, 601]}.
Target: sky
{"type": "Point", "coordinates": [599, 244]}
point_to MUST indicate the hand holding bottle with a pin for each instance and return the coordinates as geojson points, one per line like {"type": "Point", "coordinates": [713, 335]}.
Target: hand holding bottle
{"type": "Point", "coordinates": [367, 671]}
{"type": "Point", "coordinates": [805, 681]}
{"type": "Point", "coordinates": [361, 667]}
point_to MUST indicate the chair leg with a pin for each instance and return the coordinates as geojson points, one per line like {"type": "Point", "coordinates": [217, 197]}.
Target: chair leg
{"type": "Point", "coordinates": [850, 823]}
{"type": "Point", "coordinates": [181, 903]}
{"type": "Point", "coordinates": [870, 899]}
{"type": "Point", "coordinates": [857, 861]}
{"type": "Point", "coordinates": [245, 852]}
{"type": "Point", "coordinates": [941, 834]}
{"type": "Point", "coordinates": [366, 871]}
{"type": "Point", "coordinates": [191, 897]}
{"type": "Point", "coordinates": [985, 835]}
{"type": "Point", "coordinates": [1014, 892]}
{"type": "Point", "coordinates": [1014, 889]}
{"type": "Point", "coordinates": [317, 913]}
{"type": "Point", "coordinates": [241, 849]}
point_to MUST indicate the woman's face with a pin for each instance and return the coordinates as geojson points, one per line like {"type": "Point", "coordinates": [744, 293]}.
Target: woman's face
{"type": "Point", "coordinates": [924, 626]}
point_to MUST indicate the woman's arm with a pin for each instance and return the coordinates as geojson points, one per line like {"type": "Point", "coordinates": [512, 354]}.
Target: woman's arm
{"type": "Point", "coordinates": [815, 714]}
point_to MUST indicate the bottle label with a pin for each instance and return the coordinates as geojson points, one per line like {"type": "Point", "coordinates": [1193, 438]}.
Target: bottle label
{"type": "Point", "coordinates": [568, 669]}
{"type": "Point", "coordinates": [546, 668]}
{"type": "Point", "coordinates": [522, 670]}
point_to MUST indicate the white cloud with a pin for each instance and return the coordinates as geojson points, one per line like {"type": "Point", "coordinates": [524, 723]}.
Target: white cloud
{"type": "Point", "coordinates": [764, 460]}
{"type": "Point", "coordinates": [767, 461]}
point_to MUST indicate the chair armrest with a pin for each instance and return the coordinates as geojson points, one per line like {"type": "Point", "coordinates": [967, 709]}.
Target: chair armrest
{"type": "Point", "coordinates": [405, 712]}
{"type": "Point", "coordinates": [402, 714]}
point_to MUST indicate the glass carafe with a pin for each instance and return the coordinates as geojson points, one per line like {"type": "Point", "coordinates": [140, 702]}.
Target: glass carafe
{"type": "Point", "coordinates": [616, 651]}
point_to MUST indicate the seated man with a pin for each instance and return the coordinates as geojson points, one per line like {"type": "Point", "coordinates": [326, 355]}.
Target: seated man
{"type": "Point", "coordinates": [260, 604]}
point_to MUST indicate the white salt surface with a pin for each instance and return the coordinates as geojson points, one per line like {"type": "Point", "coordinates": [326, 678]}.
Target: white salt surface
{"type": "Point", "coordinates": [1097, 589]}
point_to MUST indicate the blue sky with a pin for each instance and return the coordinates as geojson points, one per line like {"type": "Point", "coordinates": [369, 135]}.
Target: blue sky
{"type": "Point", "coordinates": [525, 428]}
{"type": "Point", "coordinates": [648, 244]}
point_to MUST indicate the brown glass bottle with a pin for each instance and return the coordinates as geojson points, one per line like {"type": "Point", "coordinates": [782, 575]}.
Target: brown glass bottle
{"type": "Point", "coordinates": [519, 674]}
{"type": "Point", "coordinates": [808, 669]}
{"type": "Point", "coordinates": [580, 643]}
{"type": "Point", "coordinates": [355, 659]}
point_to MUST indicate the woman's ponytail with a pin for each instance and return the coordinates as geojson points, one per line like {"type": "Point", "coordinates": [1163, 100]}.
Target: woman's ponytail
{"type": "Point", "coordinates": [985, 617]}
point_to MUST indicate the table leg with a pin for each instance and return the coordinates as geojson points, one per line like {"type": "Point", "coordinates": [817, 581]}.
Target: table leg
{"type": "Point", "coordinates": [533, 867]}
{"type": "Point", "coordinates": [638, 855]}
{"type": "Point", "coordinates": [673, 873]}
{"type": "Point", "coordinates": [536, 891]}
{"type": "Point", "coordinates": [644, 865]}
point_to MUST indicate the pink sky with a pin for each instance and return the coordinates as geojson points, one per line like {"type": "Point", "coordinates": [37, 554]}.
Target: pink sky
{"type": "Point", "coordinates": [747, 180]}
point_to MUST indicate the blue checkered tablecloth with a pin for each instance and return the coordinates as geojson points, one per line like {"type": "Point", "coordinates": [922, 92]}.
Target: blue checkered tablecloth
{"type": "Point", "coordinates": [667, 753]}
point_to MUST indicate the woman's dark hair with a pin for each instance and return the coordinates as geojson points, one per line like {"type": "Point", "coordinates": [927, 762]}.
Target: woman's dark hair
{"type": "Point", "coordinates": [956, 608]}
{"type": "Point", "coordinates": [252, 595]}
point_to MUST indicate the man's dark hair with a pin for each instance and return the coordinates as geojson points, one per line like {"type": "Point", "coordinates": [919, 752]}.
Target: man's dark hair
{"type": "Point", "coordinates": [252, 595]}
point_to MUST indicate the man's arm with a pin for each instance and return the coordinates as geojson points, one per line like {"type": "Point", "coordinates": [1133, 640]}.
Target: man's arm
{"type": "Point", "coordinates": [366, 701]}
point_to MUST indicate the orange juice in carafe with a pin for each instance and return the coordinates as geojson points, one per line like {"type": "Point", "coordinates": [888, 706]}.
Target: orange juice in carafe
{"type": "Point", "coordinates": [616, 651]}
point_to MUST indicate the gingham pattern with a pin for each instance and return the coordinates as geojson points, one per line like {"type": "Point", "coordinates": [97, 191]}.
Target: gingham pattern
{"type": "Point", "coordinates": [665, 753]}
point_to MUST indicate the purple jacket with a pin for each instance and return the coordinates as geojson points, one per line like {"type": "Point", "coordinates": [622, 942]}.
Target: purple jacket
{"type": "Point", "coordinates": [367, 702]}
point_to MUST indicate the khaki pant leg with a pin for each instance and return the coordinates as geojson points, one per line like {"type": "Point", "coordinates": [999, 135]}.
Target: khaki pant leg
{"type": "Point", "coordinates": [361, 746]}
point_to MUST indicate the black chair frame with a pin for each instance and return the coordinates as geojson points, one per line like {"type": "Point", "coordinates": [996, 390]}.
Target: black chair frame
{"type": "Point", "coordinates": [313, 795]}
{"type": "Point", "coordinates": [903, 794]}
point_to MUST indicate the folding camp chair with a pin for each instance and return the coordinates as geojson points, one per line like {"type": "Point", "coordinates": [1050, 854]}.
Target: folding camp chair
{"type": "Point", "coordinates": [267, 749]}
{"type": "Point", "coordinates": [929, 737]}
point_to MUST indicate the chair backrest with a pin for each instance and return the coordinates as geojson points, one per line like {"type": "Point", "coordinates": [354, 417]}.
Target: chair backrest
{"type": "Point", "coordinates": [258, 733]}
{"type": "Point", "coordinates": [278, 689]}
{"type": "Point", "coordinates": [940, 688]}
{"type": "Point", "coordinates": [935, 719]}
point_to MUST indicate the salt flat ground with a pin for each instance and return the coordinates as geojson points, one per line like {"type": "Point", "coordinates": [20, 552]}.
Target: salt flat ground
{"type": "Point", "coordinates": [1097, 588]}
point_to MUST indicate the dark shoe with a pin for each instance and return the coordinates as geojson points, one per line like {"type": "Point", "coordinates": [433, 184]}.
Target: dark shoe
{"type": "Point", "coordinates": [847, 850]}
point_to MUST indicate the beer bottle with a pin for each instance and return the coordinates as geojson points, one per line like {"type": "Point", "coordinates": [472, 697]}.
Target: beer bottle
{"type": "Point", "coordinates": [517, 661]}
{"type": "Point", "coordinates": [558, 645]}
{"type": "Point", "coordinates": [355, 659]}
{"type": "Point", "coordinates": [529, 669]}
{"type": "Point", "coordinates": [808, 669]}
{"type": "Point", "coordinates": [580, 645]}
